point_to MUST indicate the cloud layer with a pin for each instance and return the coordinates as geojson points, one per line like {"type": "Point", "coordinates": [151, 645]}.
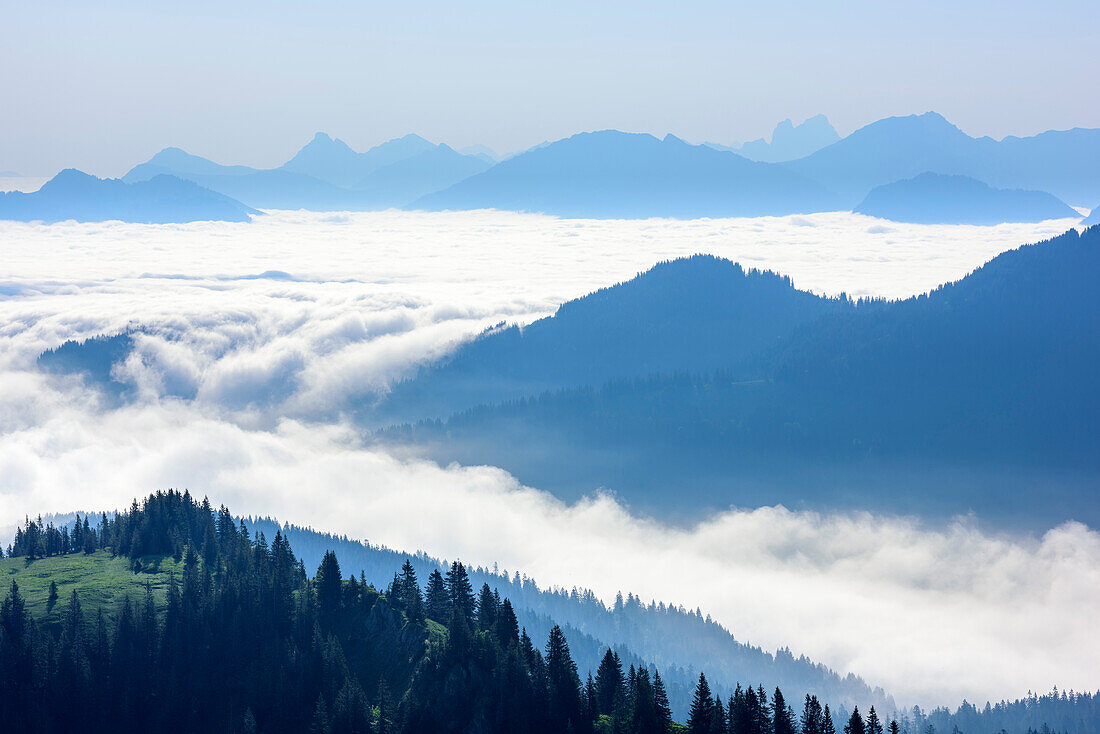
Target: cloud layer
{"type": "Point", "coordinates": [276, 327]}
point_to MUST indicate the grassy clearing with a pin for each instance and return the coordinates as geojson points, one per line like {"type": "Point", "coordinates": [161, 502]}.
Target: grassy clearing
{"type": "Point", "coordinates": [100, 580]}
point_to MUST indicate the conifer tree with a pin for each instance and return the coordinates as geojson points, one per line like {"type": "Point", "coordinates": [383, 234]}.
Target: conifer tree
{"type": "Point", "coordinates": [782, 715]}
{"type": "Point", "coordinates": [873, 725]}
{"type": "Point", "coordinates": [437, 604]}
{"type": "Point", "coordinates": [609, 683]}
{"type": "Point", "coordinates": [660, 699]}
{"type": "Point", "coordinates": [855, 723]}
{"type": "Point", "coordinates": [828, 726]}
{"type": "Point", "coordinates": [459, 592]}
{"type": "Point", "coordinates": [564, 684]}
{"type": "Point", "coordinates": [328, 583]}
{"type": "Point", "coordinates": [701, 716]}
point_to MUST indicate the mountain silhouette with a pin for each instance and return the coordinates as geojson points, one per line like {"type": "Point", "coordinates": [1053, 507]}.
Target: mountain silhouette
{"type": "Point", "coordinates": [611, 174]}
{"type": "Point", "coordinates": [331, 160]}
{"type": "Point", "coordinates": [325, 175]}
{"type": "Point", "coordinates": [661, 321]}
{"type": "Point", "coordinates": [933, 198]}
{"type": "Point", "coordinates": [966, 398]}
{"type": "Point", "coordinates": [896, 148]}
{"type": "Point", "coordinates": [1093, 218]}
{"type": "Point", "coordinates": [162, 199]}
{"type": "Point", "coordinates": [788, 142]}
{"type": "Point", "coordinates": [438, 167]}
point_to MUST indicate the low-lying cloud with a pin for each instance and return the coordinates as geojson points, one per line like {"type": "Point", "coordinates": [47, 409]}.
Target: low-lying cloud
{"type": "Point", "coordinates": [243, 384]}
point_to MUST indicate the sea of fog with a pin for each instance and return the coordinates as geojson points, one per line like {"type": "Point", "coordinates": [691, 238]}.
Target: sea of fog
{"type": "Point", "coordinates": [277, 325]}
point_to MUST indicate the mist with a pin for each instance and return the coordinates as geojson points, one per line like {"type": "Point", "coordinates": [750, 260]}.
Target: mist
{"type": "Point", "coordinates": [254, 338]}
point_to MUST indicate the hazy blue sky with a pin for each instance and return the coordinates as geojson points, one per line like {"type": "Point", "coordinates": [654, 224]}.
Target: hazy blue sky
{"type": "Point", "coordinates": [103, 85]}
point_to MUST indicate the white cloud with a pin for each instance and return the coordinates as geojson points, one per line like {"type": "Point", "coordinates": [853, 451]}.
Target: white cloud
{"type": "Point", "coordinates": [932, 613]}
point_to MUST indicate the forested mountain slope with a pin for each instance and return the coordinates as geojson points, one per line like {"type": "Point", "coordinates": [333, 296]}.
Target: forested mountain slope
{"type": "Point", "coordinates": [240, 638]}
{"type": "Point", "coordinates": [870, 400]}
{"type": "Point", "coordinates": [694, 314]}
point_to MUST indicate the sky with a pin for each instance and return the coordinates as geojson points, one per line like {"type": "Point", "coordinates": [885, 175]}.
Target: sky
{"type": "Point", "coordinates": [933, 611]}
{"type": "Point", "coordinates": [102, 86]}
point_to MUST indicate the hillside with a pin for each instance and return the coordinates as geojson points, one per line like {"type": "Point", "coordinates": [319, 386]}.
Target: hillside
{"type": "Point", "coordinates": [610, 174]}
{"type": "Point", "coordinates": [671, 638]}
{"type": "Point", "coordinates": [163, 199]}
{"type": "Point", "coordinates": [960, 399]}
{"type": "Point", "coordinates": [246, 641]}
{"type": "Point", "coordinates": [896, 148]}
{"type": "Point", "coordinates": [933, 198]}
{"type": "Point", "coordinates": [693, 314]}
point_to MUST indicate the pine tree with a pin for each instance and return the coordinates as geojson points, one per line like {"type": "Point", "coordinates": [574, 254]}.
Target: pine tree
{"type": "Point", "coordinates": [874, 726]}
{"type": "Point", "coordinates": [701, 716]}
{"type": "Point", "coordinates": [507, 627]}
{"type": "Point", "coordinates": [459, 592]}
{"type": "Point", "coordinates": [564, 684]}
{"type": "Point", "coordinates": [328, 583]}
{"type": "Point", "coordinates": [51, 600]}
{"type": "Point", "coordinates": [319, 724]}
{"type": "Point", "coordinates": [855, 723]}
{"type": "Point", "coordinates": [894, 728]}
{"type": "Point", "coordinates": [782, 715]}
{"type": "Point", "coordinates": [486, 609]}
{"type": "Point", "coordinates": [660, 698]}
{"type": "Point", "coordinates": [828, 726]}
{"type": "Point", "coordinates": [609, 683]}
{"type": "Point", "coordinates": [437, 604]}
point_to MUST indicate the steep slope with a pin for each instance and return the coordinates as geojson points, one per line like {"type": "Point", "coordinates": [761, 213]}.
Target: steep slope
{"type": "Point", "coordinates": [162, 199]}
{"type": "Point", "coordinates": [672, 638]}
{"type": "Point", "coordinates": [613, 174]}
{"type": "Point", "coordinates": [695, 314]}
{"type": "Point", "coordinates": [933, 198]}
{"type": "Point", "coordinates": [965, 398]}
{"type": "Point", "coordinates": [1093, 218]}
{"type": "Point", "coordinates": [895, 148]}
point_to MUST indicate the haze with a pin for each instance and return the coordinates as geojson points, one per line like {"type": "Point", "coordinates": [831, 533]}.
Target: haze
{"type": "Point", "coordinates": [103, 86]}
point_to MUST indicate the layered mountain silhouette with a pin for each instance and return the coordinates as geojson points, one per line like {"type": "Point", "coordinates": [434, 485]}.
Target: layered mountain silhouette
{"type": "Point", "coordinates": [610, 174]}
{"type": "Point", "coordinates": [1093, 218]}
{"type": "Point", "coordinates": [966, 398]}
{"type": "Point", "coordinates": [788, 141]}
{"type": "Point", "coordinates": [161, 199]}
{"type": "Point", "coordinates": [933, 198]}
{"type": "Point", "coordinates": [665, 320]}
{"type": "Point", "coordinates": [896, 148]}
{"type": "Point", "coordinates": [326, 174]}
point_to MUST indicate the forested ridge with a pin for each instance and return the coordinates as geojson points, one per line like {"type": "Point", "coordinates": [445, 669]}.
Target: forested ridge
{"type": "Point", "coordinates": [244, 640]}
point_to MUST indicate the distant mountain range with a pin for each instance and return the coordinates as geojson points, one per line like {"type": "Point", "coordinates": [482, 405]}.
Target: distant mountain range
{"type": "Point", "coordinates": [896, 148]}
{"type": "Point", "coordinates": [933, 198]}
{"type": "Point", "coordinates": [327, 174]}
{"type": "Point", "coordinates": [970, 394]}
{"type": "Point", "coordinates": [788, 142]}
{"type": "Point", "coordinates": [162, 199]}
{"type": "Point", "coordinates": [611, 174]}
{"type": "Point", "coordinates": [1093, 218]}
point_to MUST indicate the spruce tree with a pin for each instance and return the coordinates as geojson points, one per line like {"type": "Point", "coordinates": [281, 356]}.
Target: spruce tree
{"type": "Point", "coordinates": [609, 683]}
{"type": "Point", "coordinates": [874, 726]}
{"type": "Point", "coordinates": [459, 592]}
{"type": "Point", "coordinates": [855, 723]}
{"type": "Point", "coordinates": [782, 715]}
{"type": "Point", "coordinates": [660, 698]}
{"type": "Point", "coordinates": [437, 604]}
{"type": "Point", "coordinates": [701, 716]}
{"type": "Point", "coordinates": [564, 684]}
